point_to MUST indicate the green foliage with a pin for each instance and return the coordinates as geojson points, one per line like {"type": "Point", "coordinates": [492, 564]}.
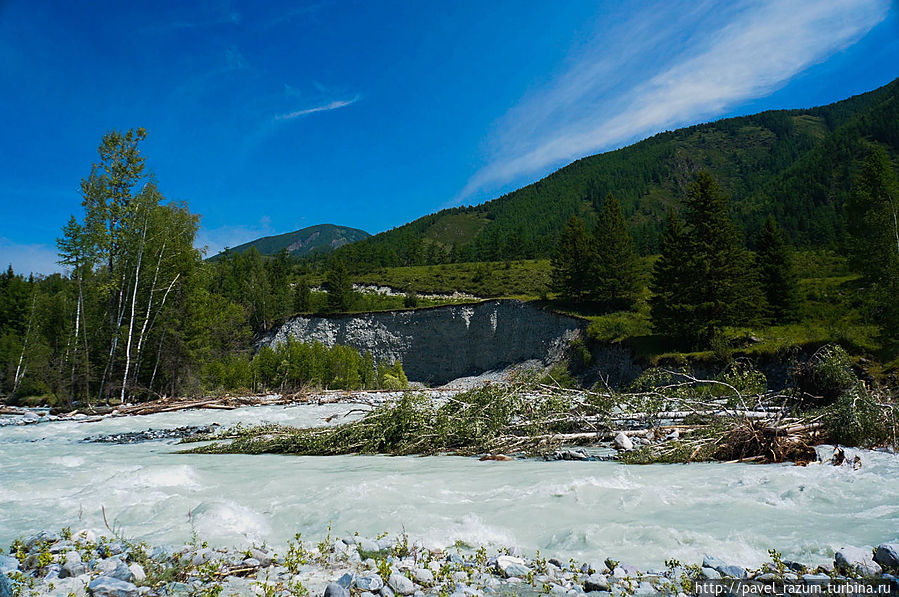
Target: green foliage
{"type": "Point", "coordinates": [294, 365]}
{"type": "Point", "coordinates": [573, 262]}
{"type": "Point", "coordinates": [795, 164]}
{"type": "Point", "coordinates": [339, 287]}
{"type": "Point", "coordinates": [705, 279]}
{"type": "Point", "coordinates": [473, 422]}
{"type": "Point", "coordinates": [862, 417]}
{"type": "Point", "coordinates": [780, 282]}
{"type": "Point", "coordinates": [825, 376]}
{"type": "Point", "coordinates": [614, 278]}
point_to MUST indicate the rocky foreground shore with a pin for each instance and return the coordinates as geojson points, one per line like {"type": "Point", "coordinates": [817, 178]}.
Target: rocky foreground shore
{"type": "Point", "coordinates": [79, 564]}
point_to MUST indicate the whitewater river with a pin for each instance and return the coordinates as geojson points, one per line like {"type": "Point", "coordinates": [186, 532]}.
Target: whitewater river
{"type": "Point", "coordinates": [642, 515]}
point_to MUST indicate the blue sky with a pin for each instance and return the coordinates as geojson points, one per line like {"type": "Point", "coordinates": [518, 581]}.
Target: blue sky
{"type": "Point", "coordinates": [268, 117]}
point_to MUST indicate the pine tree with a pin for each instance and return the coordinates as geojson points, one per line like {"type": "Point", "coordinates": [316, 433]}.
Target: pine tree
{"type": "Point", "coordinates": [778, 274]}
{"type": "Point", "coordinates": [571, 265]}
{"type": "Point", "coordinates": [340, 289]}
{"type": "Point", "coordinates": [670, 282]}
{"type": "Point", "coordinates": [614, 273]}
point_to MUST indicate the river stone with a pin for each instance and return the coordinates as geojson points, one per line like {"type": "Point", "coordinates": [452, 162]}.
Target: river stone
{"type": "Point", "coordinates": [815, 579]}
{"type": "Point", "coordinates": [503, 562]}
{"type": "Point", "coordinates": [596, 582]}
{"type": "Point", "coordinates": [265, 559]}
{"type": "Point", "coordinates": [886, 554]}
{"type": "Point", "coordinates": [7, 588]}
{"type": "Point", "coordinates": [107, 586]}
{"type": "Point", "coordinates": [622, 441]}
{"type": "Point", "coordinates": [385, 544]}
{"type": "Point", "coordinates": [368, 546]}
{"type": "Point", "coordinates": [856, 560]}
{"type": "Point", "coordinates": [72, 568]}
{"type": "Point", "coordinates": [138, 572]}
{"type": "Point", "coordinates": [733, 571]}
{"type": "Point", "coordinates": [346, 581]}
{"type": "Point", "coordinates": [68, 587]}
{"type": "Point", "coordinates": [400, 584]}
{"type": "Point", "coordinates": [710, 573]}
{"type": "Point", "coordinates": [423, 576]}
{"type": "Point", "coordinates": [335, 590]}
{"type": "Point", "coordinates": [386, 591]}
{"type": "Point", "coordinates": [370, 582]}
{"type": "Point", "coordinates": [8, 564]}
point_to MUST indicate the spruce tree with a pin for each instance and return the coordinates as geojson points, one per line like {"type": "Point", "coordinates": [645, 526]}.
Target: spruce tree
{"type": "Point", "coordinates": [873, 209]}
{"type": "Point", "coordinates": [571, 264]}
{"type": "Point", "coordinates": [339, 286]}
{"type": "Point", "coordinates": [725, 291]}
{"type": "Point", "coordinates": [720, 282]}
{"type": "Point", "coordinates": [778, 274]}
{"type": "Point", "coordinates": [614, 273]}
{"type": "Point", "coordinates": [670, 283]}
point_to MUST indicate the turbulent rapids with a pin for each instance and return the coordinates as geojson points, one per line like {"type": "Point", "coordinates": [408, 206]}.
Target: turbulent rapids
{"type": "Point", "coordinates": [50, 478]}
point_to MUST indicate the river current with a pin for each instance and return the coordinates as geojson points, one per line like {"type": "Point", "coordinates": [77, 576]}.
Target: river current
{"type": "Point", "coordinates": [642, 515]}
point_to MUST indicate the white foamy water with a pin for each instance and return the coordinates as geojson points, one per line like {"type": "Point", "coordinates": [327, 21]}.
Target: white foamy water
{"type": "Point", "coordinates": [586, 510]}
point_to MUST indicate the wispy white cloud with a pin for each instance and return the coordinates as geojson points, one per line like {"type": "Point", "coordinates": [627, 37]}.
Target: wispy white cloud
{"type": "Point", "coordinates": [699, 65]}
{"type": "Point", "coordinates": [334, 105]}
{"type": "Point", "coordinates": [29, 258]}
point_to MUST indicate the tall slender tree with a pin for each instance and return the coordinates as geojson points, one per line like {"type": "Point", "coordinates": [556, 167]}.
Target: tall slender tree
{"type": "Point", "coordinates": [777, 272]}
{"type": "Point", "coordinates": [614, 277]}
{"type": "Point", "coordinates": [339, 287]}
{"type": "Point", "coordinates": [873, 209]}
{"type": "Point", "coordinates": [670, 285]}
{"type": "Point", "coordinates": [572, 262]}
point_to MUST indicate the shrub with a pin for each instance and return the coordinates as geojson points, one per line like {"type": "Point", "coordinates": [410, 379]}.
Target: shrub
{"type": "Point", "coordinates": [825, 376]}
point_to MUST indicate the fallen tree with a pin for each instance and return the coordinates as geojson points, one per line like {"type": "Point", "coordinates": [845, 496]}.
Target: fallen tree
{"type": "Point", "coordinates": [673, 415]}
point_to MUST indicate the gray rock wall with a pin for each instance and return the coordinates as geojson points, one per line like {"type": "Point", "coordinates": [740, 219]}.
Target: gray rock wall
{"type": "Point", "coordinates": [440, 344]}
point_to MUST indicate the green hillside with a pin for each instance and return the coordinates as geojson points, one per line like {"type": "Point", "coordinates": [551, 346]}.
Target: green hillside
{"type": "Point", "coordinates": [322, 238]}
{"type": "Point", "coordinates": [797, 164]}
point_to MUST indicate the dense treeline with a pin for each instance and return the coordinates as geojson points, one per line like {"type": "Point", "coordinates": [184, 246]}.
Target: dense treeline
{"type": "Point", "coordinates": [706, 279]}
{"type": "Point", "coordinates": [141, 315]}
{"type": "Point", "coordinates": [796, 165]}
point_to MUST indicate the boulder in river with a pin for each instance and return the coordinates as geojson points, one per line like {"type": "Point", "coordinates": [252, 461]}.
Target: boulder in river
{"type": "Point", "coordinates": [623, 442]}
{"type": "Point", "coordinates": [856, 560]}
{"type": "Point", "coordinates": [887, 555]}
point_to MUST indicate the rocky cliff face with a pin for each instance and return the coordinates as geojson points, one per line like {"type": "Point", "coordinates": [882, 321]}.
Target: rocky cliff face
{"type": "Point", "coordinates": [440, 344]}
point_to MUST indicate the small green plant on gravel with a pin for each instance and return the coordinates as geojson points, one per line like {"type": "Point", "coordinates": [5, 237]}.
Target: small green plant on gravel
{"type": "Point", "coordinates": [297, 589]}
{"type": "Point", "coordinates": [66, 533]}
{"type": "Point", "coordinates": [324, 546]}
{"type": "Point", "coordinates": [540, 563]}
{"type": "Point", "coordinates": [401, 548]}
{"type": "Point", "coordinates": [384, 568]}
{"type": "Point", "coordinates": [297, 555]}
{"type": "Point", "coordinates": [776, 566]}
{"type": "Point", "coordinates": [692, 573]}
{"type": "Point", "coordinates": [480, 556]}
{"type": "Point", "coordinates": [44, 558]}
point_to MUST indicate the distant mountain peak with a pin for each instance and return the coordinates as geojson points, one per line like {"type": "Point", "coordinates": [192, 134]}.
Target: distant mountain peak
{"type": "Point", "coordinates": [321, 238]}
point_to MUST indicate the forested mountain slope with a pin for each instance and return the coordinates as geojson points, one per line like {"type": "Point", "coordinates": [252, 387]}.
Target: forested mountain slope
{"type": "Point", "coordinates": [796, 164]}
